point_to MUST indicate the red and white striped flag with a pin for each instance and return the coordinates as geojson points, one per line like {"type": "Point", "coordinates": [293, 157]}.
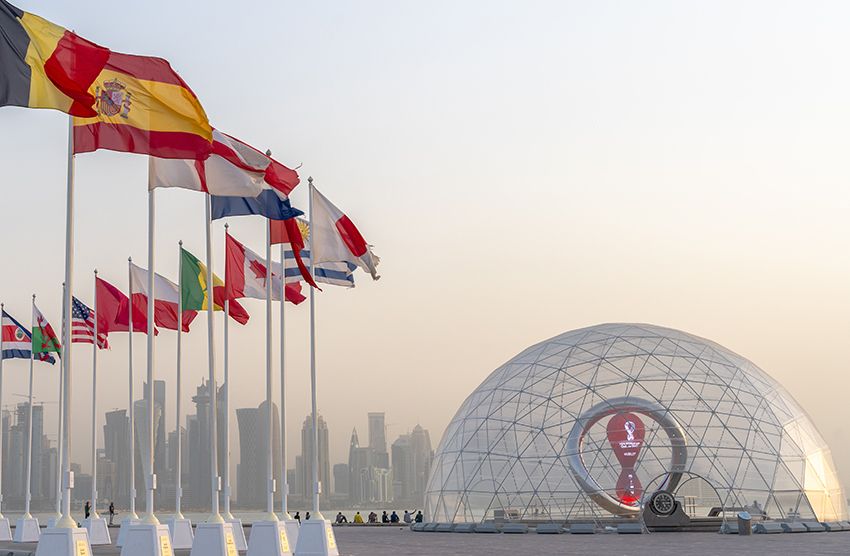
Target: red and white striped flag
{"type": "Point", "coordinates": [82, 325]}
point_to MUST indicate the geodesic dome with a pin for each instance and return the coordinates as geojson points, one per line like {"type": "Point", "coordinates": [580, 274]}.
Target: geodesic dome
{"type": "Point", "coordinates": [542, 437]}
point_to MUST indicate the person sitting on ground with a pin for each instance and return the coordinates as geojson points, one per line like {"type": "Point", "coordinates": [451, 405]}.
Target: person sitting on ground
{"type": "Point", "coordinates": [407, 517]}
{"type": "Point", "coordinates": [373, 517]}
{"type": "Point", "coordinates": [297, 517]}
{"type": "Point", "coordinates": [307, 516]}
{"type": "Point", "coordinates": [394, 517]}
{"type": "Point", "coordinates": [358, 518]}
{"type": "Point", "coordinates": [385, 518]}
{"type": "Point", "coordinates": [341, 518]}
{"type": "Point", "coordinates": [419, 517]}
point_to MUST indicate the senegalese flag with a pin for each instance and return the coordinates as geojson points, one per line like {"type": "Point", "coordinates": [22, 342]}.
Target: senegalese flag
{"type": "Point", "coordinates": [43, 65]}
{"type": "Point", "coordinates": [43, 338]}
{"type": "Point", "coordinates": [142, 106]}
{"type": "Point", "coordinates": [193, 289]}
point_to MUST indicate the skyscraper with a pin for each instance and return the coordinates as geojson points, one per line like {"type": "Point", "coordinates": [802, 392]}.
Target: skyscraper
{"type": "Point", "coordinates": [359, 463]}
{"type": "Point", "coordinates": [340, 479]}
{"type": "Point", "coordinates": [252, 471]}
{"type": "Point", "coordinates": [307, 457]}
{"type": "Point", "coordinates": [378, 440]}
{"type": "Point", "coordinates": [116, 433]}
{"type": "Point", "coordinates": [412, 455]}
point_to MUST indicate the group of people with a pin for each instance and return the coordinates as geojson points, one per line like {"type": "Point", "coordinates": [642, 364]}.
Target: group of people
{"type": "Point", "coordinates": [408, 518]}
{"type": "Point", "coordinates": [87, 509]}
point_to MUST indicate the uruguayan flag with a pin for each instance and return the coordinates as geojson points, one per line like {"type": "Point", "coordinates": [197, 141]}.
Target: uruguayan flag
{"type": "Point", "coordinates": [335, 274]}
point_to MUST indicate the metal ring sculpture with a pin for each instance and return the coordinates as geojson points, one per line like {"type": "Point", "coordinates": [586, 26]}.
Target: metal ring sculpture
{"type": "Point", "coordinates": [653, 410]}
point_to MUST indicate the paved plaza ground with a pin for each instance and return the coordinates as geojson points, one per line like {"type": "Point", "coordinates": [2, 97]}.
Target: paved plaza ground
{"type": "Point", "coordinates": [397, 541]}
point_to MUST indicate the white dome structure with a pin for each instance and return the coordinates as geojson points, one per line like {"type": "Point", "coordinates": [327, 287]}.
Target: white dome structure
{"type": "Point", "coordinates": [588, 424]}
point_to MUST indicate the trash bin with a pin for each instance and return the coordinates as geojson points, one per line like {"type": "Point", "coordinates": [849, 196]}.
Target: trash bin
{"type": "Point", "coordinates": [745, 523]}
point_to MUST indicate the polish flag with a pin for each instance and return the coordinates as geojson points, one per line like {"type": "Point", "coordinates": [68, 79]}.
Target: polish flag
{"type": "Point", "coordinates": [112, 310]}
{"type": "Point", "coordinates": [245, 275]}
{"type": "Point", "coordinates": [335, 239]}
{"type": "Point", "coordinates": [166, 299]}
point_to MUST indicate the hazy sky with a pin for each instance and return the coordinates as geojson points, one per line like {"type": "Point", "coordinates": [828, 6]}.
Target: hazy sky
{"type": "Point", "coordinates": [522, 168]}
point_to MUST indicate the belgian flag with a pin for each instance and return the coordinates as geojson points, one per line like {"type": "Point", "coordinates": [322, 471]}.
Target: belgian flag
{"type": "Point", "coordinates": [43, 65]}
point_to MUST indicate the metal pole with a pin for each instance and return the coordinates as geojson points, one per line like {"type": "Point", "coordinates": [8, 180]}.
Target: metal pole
{"type": "Point", "coordinates": [66, 521]}
{"type": "Point", "coordinates": [132, 435]}
{"type": "Point", "coordinates": [215, 516]}
{"type": "Point", "coordinates": [27, 514]}
{"type": "Point", "coordinates": [94, 407]}
{"type": "Point", "coordinates": [316, 486]}
{"type": "Point", "coordinates": [226, 448]}
{"type": "Point", "coordinates": [269, 414]}
{"type": "Point", "coordinates": [150, 482]}
{"type": "Point", "coordinates": [60, 420]}
{"type": "Point", "coordinates": [284, 489]}
{"type": "Point", "coordinates": [2, 310]}
{"type": "Point", "coordinates": [178, 514]}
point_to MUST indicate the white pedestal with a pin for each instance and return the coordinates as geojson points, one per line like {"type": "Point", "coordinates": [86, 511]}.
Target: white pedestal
{"type": "Point", "coordinates": [126, 523]}
{"type": "Point", "coordinates": [64, 542]}
{"type": "Point", "coordinates": [316, 538]}
{"type": "Point", "coordinates": [292, 526]}
{"type": "Point", "coordinates": [147, 539]}
{"type": "Point", "coordinates": [238, 533]}
{"type": "Point", "coordinates": [51, 523]}
{"type": "Point", "coordinates": [181, 532]}
{"type": "Point", "coordinates": [5, 530]}
{"type": "Point", "coordinates": [213, 539]}
{"type": "Point", "coordinates": [268, 538]}
{"type": "Point", "coordinates": [98, 531]}
{"type": "Point", "coordinates": [27, 530]}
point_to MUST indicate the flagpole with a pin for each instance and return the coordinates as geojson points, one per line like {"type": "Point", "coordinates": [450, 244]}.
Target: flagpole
{"type": "Point", "coordinates": [2, 310]}
{"type": "Point", "coordinates": [226, 448]}
{"type": "Point", "coordinates": [215, 485]}
{"type": "Point", "coordinates": [284, 489]}
{"type": "Point", "coordinates": [67, 522]}
{"type": "Point", "coordinates": [269, 415]}
{"type": "Point", "coordinates": [27, 514]}
{"type": "Point", "coordinates": [315, 454]}
{"type": "Point", "coordinates": [94, 515]}
{"type": "Point", "coordinates": [150, 479]}
{"type": "Point", "coordinates": [132, 436]}
{"type": "Point", "coordinates": [61, 421]}
{"type": "Point", "coordinates": [178, 513]}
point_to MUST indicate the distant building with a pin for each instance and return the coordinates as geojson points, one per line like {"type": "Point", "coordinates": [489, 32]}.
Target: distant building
{"type": "Point", "coordinates": [252, 471]}
{"type": "Point", "coordinates": [307, 457]}
{"type": "Point", "coordinates": [412, 455]}
{"type": "Point", "coordinates": [341, 479]}
{"type": "Point", "coordinates": [378, 440]}
{"type": "Point", "coordinates": [116, 434]}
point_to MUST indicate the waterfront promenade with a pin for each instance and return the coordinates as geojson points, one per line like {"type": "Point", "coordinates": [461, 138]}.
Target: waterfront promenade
{"type": "Point", "coordinates": [396, 541]}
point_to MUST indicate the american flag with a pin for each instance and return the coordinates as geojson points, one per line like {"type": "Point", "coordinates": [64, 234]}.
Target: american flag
{"type": "Point", "coordinates": [82, 325]}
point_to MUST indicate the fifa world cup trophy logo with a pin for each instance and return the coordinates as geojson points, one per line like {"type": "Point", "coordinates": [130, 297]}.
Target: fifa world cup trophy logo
{"type": "Point", "coordinates": [625, 434]}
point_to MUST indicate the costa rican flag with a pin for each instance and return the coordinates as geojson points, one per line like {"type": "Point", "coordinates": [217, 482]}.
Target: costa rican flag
{"type": "Point", "coordinates": [17, 341]}
{"type": "Point", "coordinates": [82, 325]}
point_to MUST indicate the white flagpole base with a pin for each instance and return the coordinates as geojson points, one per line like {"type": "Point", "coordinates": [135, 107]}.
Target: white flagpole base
{"type": "Point", "coordinates": [5, 529]}
{"type": "Point", "coordinates": [316, 538]}
{"type": "Point", "coordinates": [213, 539]}
{"type": "Point", "coordinates": [51, 523]}
{"type": "Point", "coordinates": [64, 542]}
{"type": "Point", "coordinates": [292, 528]}
{"type": "Point", "coordinates": [27, 530]}
{"type": "Point", "coordinates": [98, 531]}
{"type": "Point", "coordinates": [147, 539]}
{"type": "Point", "coordinates": [238, 533]}
{"type": "Point", "coordinates": [268, 538]}
{"type": "Point", "coordinates": [181, 533]}
{"type": "Point", "coordinates": [126, 523]}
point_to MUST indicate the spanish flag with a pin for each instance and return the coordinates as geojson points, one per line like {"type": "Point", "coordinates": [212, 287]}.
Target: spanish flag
{"type": "Point", "coordinates": [43, 65]}
{"type": "Point", "coordinates": [142, 106]}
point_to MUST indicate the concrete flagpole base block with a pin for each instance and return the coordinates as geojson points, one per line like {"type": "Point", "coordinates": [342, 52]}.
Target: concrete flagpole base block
{"type": "Point", "coordinates": [268, 538]}
{"type": "Point", "coordinates": [27, 530]}
{"type": "Point", "coordinates": [316, 538]}
{"type": "Point", "coordinates": [213, 539]}
{"type": "Point", "coordinates": [51, 523]}
{"type": "Point", "coordinates": [64, 542]}
{"type": "Point", "coordinates": [126, 523]}
{"type": "Point", "coordinates": [238, 533]}
{"type": "Point", "coordinates": [292, 528]}
{"type": "Point", "coordinates": [147, 539]}
{"type": "Point", "coordinates": [181, 532]}
{"type": "Point", "coordinates": [98, 531]}
{"type": "Point", "coordinates": [5, 529]}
